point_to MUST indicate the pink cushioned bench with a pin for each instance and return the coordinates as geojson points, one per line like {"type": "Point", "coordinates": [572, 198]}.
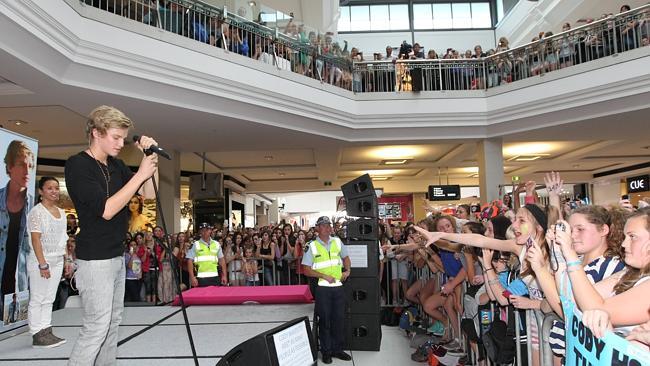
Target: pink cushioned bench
{"type": "Point", "coordinates": [213, 295]}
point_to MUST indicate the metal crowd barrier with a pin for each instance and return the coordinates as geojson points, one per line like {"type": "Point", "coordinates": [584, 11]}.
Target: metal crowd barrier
{"type": "Point", "coordinates": [281, 275]}
{"type": "Point", "coordinates": [546, 355]}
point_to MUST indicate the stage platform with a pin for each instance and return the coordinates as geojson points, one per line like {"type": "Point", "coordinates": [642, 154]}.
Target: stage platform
{"type": "Point", "coordinates": [156, 336]}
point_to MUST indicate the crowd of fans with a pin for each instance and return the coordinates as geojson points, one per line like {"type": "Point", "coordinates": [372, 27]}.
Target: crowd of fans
{"type": "Point", "coordinates": [455, 277]}
{"type": "Point", "coordinates": [263, 256]}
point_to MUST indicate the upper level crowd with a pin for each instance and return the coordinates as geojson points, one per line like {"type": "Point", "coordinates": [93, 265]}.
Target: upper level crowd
{"type": "Point", "coordinates": [321, 56]}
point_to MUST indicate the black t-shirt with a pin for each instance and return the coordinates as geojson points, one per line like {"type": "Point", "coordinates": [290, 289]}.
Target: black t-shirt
{"type": "Point", "coordinates": [97, 238]}
{"type": "Point", "coordinates": [11, 259]}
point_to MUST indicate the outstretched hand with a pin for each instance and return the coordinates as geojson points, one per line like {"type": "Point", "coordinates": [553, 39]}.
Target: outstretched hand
{"type": "Point", "coordinates": [530, 187]}
{"type": "Point", "coordinates": [553, 183]}
{"type": "Point", "coordinates": [429, 237]}
{"type": "Point", "coordinates": [640, 334]}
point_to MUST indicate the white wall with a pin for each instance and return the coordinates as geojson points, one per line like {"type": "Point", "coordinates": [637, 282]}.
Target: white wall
{"type": "Point", "coordinates": [463, 40]}
{"type": "Point", "coordinates": [308, 202]}
{"type": "Point", "coordinates": [458, 40]}
{"type": "Point", "coordinates": [606, 192]}
{"type": "Point", "coordinates": [369, 43]}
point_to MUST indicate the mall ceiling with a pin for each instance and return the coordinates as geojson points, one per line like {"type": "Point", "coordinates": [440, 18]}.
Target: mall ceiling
{"type": "Point", "coordinates": [271, 159]}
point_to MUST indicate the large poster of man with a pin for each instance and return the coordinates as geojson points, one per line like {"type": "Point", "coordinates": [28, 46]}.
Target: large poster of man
{"type": "Point", "coordinates": [17, 188]}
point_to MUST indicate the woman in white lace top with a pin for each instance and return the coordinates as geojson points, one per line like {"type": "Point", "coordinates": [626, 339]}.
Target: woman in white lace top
{"type": "Point", "coordinates": [47, 226]}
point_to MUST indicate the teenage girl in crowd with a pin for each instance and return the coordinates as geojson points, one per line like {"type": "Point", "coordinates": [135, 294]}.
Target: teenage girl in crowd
{"type": "Point", "coordinates": [597, 236]}
{"type": "Point", "coordinates": [620, 301]}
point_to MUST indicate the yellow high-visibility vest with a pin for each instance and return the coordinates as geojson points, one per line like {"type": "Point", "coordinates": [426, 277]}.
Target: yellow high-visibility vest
{"type": "Point", "coordinates": [328, 263]}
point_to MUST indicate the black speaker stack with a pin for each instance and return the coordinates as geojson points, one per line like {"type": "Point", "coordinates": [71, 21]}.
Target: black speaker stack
{"type": "Point", "coordinates": [362, 288]}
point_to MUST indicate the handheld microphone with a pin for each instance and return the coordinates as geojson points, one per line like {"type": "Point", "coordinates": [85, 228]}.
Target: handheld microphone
{"type": "Point", "coordinates": [153, 149]}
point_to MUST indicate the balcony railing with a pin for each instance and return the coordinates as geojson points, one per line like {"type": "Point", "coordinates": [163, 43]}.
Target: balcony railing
{"type": "Point", "coordinates": [318, 56]}
{"type": "Point", "coordinates": [605, 37]}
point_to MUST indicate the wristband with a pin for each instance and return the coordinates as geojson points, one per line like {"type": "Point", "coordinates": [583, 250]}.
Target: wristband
{"type": "Point", "coordinates": [44, 266]}
{"type": "Point", "coordinates": [576, 262]}
{"type": "Point", "coordinates": [487, 269]}
{"type": "Point", "coordinates": [573, 269]}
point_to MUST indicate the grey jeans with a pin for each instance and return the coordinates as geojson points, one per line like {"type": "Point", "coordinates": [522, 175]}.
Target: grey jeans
{"type": "Point", "coordinates": [101, 286]}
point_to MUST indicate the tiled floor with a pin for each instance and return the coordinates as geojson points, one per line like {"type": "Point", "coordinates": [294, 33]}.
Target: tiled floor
{"type": "Point", "coordinates": [215, 329]}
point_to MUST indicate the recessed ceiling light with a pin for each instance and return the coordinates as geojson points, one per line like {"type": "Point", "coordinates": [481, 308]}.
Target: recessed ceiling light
{"type": "Point", "coordinates": [526, 157]}
{"type": "Point", "coordinates": [395, 161]}
{"type": "Point", "coordinates": [380, 178]}
{"type": "Point", "coordinates": [529, 148]}
{"type": "Point", "coordinates": [395, 152]}
{"type": "Point", "coordinates": [268, 157]}
{"type": "Point", "coordinates": [281, 174]}
{"type": "Point", "coordinates": [252, 3]}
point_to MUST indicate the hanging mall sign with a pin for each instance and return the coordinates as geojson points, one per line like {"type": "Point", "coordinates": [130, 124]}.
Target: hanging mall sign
{"type": "Point", "coordinates": [639, 183]}
{"type": "Point", "coordinates": [444, 193]}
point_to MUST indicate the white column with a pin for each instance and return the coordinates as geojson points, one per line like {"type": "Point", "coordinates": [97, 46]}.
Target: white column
{"type": "Point", "coordinates": [490, 168]}
{"type": "Point", "coordinates": [274, 212]}
{"type": "Point", "coordinates": [169, 188]}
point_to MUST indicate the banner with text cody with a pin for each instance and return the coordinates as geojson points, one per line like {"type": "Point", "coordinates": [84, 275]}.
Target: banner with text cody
{"type": "Point", "coordinates": [583, 348]}
{"type": "Point", "coordinates": [17, 188]}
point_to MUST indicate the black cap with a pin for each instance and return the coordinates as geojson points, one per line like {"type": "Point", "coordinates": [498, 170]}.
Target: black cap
{"type": "Point", "coordinates": [204, 225]}
{"type": "Point", "coordinates": [323, 220]}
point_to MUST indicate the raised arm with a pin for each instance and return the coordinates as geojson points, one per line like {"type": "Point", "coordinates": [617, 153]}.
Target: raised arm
{"type": "Point", "coordinates": [554, 186]}
{"type": "Point", "coordinates": [115, 203]}
{"type": "Point", "coordinates": [627, 308]}
{"type": "Point", "coordinates": [474, 240]}
{"type": "Point", "coordinates": [544, 278]}
{"type": "Point", "coordinates": [493, 285]}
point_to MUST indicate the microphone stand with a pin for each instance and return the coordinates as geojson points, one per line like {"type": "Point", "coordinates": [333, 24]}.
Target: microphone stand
{"type": "Point", "coordinates": [175, 274]}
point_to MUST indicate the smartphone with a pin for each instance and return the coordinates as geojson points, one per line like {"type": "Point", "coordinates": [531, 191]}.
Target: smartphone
{"type": "Point", "coordinates": [529, 242]}
{"type": "Point", "coordinates": [560, 227]}
{"type": "Point", "coordinates": [625, 197]}
{"type": "Point", "coordinates": [507, 294]}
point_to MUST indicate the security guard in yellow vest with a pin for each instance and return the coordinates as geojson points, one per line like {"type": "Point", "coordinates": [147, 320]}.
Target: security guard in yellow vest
{"type": "Point", "coordinates": [208, 256]}
{"type": "Point", "coordinates": [327, 259]}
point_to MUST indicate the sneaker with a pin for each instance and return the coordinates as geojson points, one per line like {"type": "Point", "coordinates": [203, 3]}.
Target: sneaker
{"type": "Point", "coordinates": [454, 344]}
{"type": "Point", "coordinates": [51, 335]}
{"type": "Point", "coordinates": [437, 328]}
{"type": "Point", "coordinates": [45, 339]}
{"type": "Point", "coordinates": [327, 358]}
{"type": "Point", "coordinates": [456, 352]}
{"type": "Point", "coordinates": [421, 354]}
